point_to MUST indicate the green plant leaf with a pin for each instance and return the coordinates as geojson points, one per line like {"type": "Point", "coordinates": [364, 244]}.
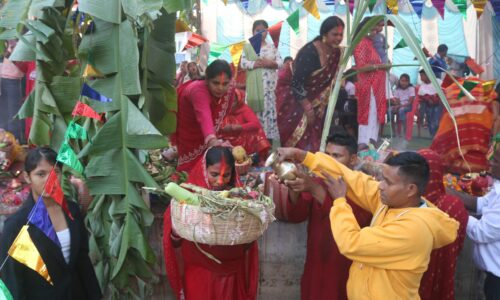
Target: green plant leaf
{"type": "Point", "coordinates": [109, 10]}
{"type": "Point", "coordinates": [172, 6]}
{"type": "Point", "coordinates": [13, 13]}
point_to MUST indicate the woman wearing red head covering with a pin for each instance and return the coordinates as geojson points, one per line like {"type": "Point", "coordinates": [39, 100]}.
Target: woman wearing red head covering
{"type": "Point", "coordinates": [193, 275]}
{"type": "Point", "coordinates": [438, 281]}
{"type": "Point", "coordinates": [202, 106]}
{"type": "Point", "coordinates": [241, 127]}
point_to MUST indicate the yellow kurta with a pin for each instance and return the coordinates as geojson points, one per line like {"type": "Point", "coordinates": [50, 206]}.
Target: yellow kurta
{"type": "Point", "coordinates": [389, 257]}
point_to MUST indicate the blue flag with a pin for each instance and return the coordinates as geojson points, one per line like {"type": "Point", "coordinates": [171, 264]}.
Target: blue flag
{"type": "Point", "coordinates": [39, 217]}
{"type": "Point", "coordinates": [93, 94]}
{"type": "Point", "coordinates": [256, 42]}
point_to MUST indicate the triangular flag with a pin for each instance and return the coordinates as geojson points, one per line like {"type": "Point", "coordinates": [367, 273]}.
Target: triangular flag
{"type": "Point", "coordinates": [84, 110]}
{"type": "Point", "coordinates": [439, 5]}
{"type": "Point", "coordinates": [479, 6]}
{"type": "Point", "coordinates": [462, 7]}
{"type": "Point", "coordinates": [392, 6]}
{"type": "Point", "coordinates": [275, 32]}
{"type": "Point", "coordinates": [447, 81]}
{"type": "Point", "coordinates": [286, 4]}
{"type": "Point", "coordinates": [91, 71]}
{"type": "Point", "coordinates": [39, 217]}
{"type": "Point", "coordinates": [76, 131]}
{"type": "Point", "coordinates": [181, 26]}
{"type": "Point", "coordinates": [236, 50]}
{"type": "Point", "coordinates": [401, 44]}
{"type": "Point", "coordinates": [4, 292]}
{"type": "Point", "coordinates": [372, 4]}
{"type": "Point", "coordinates": [53, 189]}
{"type": "Point", "coordinates": [468, 85]}
{"type": "Point", "coordinates": [194, 40]}
{"type": "Point", "coordinates": [68, 157]}
{"type": "Point", "coordinates": [225, 2]}
{"type": "Point", "coordinates": [256, 42]}
{"type": "Point", "coordinates": [216, 50]}
{"type": "Point", "coordinates": [293, 21]}
{"type": "Point", "coordinates": [87, 91]}
{"type": "Point", "coordinates": [24, 251]}
{"type": "Point", "coordinates": [312, 8]}
{"type": "Point", "coordinates": [488, 87]}
{"type": "Point", "coordinates": [351, 5]}
{"type": "Point", "coordinates": [417, 6]}
{"type": "Point", "coordinates": [244, 3]}
{"type": "Point", "coordinates": [496, 8]}
{"type": "Point", "coordinates": [474, 66]}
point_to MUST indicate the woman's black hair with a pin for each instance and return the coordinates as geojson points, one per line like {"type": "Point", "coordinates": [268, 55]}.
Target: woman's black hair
{"type": "Point", "coordinates": [362, 24]}
{"type": "Point", "coordinates": [35, 156]}
{"type": "Point", "coordinates": [352, 78]}
{"type": "Point", "coordinates": [216, 67]}
{"type": "Point", "coordinates": [407, 78]}
{"type": "Point", "coordinates": [327, 25]}
{"type": "Point", "coordinates": [259, 22]}
{"type": "Point", "coordinates": [216, 154]}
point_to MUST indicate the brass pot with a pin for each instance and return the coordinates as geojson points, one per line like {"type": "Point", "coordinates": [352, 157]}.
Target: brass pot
{"type": "Point", "coordinates": [285, 170]}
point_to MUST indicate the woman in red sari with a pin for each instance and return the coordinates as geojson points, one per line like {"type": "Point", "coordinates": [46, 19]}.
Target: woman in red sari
{"type": "Point", "coordinates": [241, 127]}
{"type": "Point", "coordinates": [303, 90]}
{"type": "Point", "coordinates": [202, 106]}
{"type": "Point", "coordinates": [191, 274]}
{"type": "Point", "coordinates": [438, 280]}
{"type": "Point", "coordinates": [370, 87]}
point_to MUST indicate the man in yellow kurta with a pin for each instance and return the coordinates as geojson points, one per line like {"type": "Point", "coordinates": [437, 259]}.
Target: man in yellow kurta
{"type": "Point", "coordinates": [390, 256]}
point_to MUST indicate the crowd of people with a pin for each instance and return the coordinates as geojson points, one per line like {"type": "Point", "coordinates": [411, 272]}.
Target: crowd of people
{"type": "Point", "coordinates": [392, 236]}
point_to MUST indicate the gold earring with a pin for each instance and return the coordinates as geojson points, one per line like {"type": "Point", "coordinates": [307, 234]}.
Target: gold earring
{"type": "Point", "coordinates": [324, 39]}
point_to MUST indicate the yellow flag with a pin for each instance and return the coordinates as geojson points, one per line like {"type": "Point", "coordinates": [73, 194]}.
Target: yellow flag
{"type": "Point", "coordinates": [393, 6]}
{"type": "Point", "coordinates": [479, 6]}
{"type": "Point", "coordinates": [312, 7]}
{"type": "Point", "coordinates": [24, 251]}
{"type": "Point", "coordinates": [181, 26]}
{"type": "Point", "coordinates": [236, 50]}
{"type": "Point", "coordinates": [225, 2]}
{"type": "Point", "coordinates": [91, 71]}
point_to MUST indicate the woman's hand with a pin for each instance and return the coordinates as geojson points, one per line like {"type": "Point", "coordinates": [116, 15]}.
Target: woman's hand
{"type": "Point", "coordinates": [336, 187]}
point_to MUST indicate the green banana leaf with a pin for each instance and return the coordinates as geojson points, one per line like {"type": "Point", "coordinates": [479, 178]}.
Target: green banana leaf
{"type": "Point", "coordinates": [173, 6]}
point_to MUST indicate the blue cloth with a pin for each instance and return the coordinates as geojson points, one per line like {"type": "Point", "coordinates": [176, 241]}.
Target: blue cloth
{"type": "Point", "coordinates": [437, 63]}
{"type": "Point", "coordinates": [432, 114]}
{"type": "Point", "coordinates": [39, 217]}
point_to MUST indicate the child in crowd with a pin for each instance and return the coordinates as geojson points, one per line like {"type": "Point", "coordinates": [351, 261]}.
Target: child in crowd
{"type": "Point", "coordinates": [430, 105]}
{"type": "Point", "coordinates": [404, 94]}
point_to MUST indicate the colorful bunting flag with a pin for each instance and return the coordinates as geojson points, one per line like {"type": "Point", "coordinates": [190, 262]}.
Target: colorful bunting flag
{"type": "Point", "coordinates": [392, 6]}
{"type": "Point", "coordinates": [216, 50]}
{"type": "Point", "coordinates": [275, 32]}
{"type": "Point", "coordinates": [68, 157]}
{"type": "Point", "coordinates": [256, 42]}
{"type": "Point", "coordinates": [439, 5]}
{"type": "Point", "coordinates": [39, 217]}
{"type": "Point", "coordinates": [181, 26]}
{"type": "Point", "coordinates": [488, 87]}
{"type": "Point", "coordinates": [194, 40]}
{"type": "Point", "coordinates": [312, 7]}
{"type": "Point", "coordinates": [462, 7]}
{"type": "Point", "coordinates": [87, 91]}
{"type": "Point", "coordinates": [236, 50]}
{"type": "Point", "coordinates": [91, 71]}
{"type": "Point", "coordinates": [351, 5]}
{"type": "Point", "coordinates": [53, 189]}
{"type": "Point", "coordinates": [24, 251]}
{"type": "Point", "coordinates": [4, 292]}
{"type": "Point", "coordinates": [468, 85]}
{"type": "Point", "coordinates": [401, 44]}
{"type": "Point", "coordinates": [244, 3]}
{"type": "Point", "coordinates": [293, 21]}
{"type": "Point", "coordinates": [474, 66]}
{"type": "Point", "coordinates": [225, 2]}
{"type": "Point", "coordinates": [372, 4]}
{"type": "Point", "coordinates": [417, 6]}
{"type": "Point", "coordinates": [84, 110]}
{"type": "Point", "coordinates": [479, 6]}
{"type": "Point", "coordinates": [496, 8]}
{"type": "Point", "coordinates": [76, 131]}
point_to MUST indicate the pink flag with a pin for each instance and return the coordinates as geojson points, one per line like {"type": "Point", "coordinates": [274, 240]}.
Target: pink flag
{"type": "Point", "coordinates": [274, 32]}
{"type": "Point", "coordinates": [439, 5]}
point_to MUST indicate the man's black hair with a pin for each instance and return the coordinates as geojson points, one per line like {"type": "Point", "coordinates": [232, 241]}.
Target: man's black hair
{"type": "Point", "coordinates": [412, 167]}
{"type": "Point", "coordinates": [345, 140]}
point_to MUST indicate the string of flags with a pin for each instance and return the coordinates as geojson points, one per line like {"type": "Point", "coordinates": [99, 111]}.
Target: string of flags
{"type": "Point", "coordinates": [391, 5]}
{"type": "Point", "coordinates": [23, 249]}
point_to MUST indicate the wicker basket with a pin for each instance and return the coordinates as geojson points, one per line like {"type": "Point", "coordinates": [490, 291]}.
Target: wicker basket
{"type": "Point", "coordinates": [238, 227]}
{"type": "Point", "coordinates": [243, 168]}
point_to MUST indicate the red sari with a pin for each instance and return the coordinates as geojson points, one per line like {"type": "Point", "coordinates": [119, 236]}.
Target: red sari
{"type": "Point", "coordinates": [365, 55]}
{"type": "Point", "coordinates": [251, 136]}
{"type": "Point", "coordinates": [315, 85]}
{"type": "Point", "coordinates": [192, 275]}
{"type": "Point", "coordinates": [438, 281]}
{"type": "Point", "coordinates": [199, 116]}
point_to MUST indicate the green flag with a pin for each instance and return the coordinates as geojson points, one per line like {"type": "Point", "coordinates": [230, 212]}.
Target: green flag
{"type": "Point", "coordinates": [468, 85]}
{"type": "Point", "coordinates": [401, 44]}
{"type": "Point", "coordinates": [293, 21]}
{"type": "Point", "coordinates": [4, 292]}
{"type": "Point", "coordinates": [68, 157]}
{"type": "Point", "coordinates": [371, 4]}
{"type": "Point", "coordinates": [216, 50]}
{"type": "Point", "coordinates": [76, 131]}
{"type": "Point", "coordinates": [462, 7]}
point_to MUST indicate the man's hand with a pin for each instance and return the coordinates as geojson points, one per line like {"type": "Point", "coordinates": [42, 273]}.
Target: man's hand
{"type": "Point", "coordinates": [292, 154]}
{"type": "Point", "coordinates": [302, 183]}
{"type": "Point", "coordinates": [336, 187]}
